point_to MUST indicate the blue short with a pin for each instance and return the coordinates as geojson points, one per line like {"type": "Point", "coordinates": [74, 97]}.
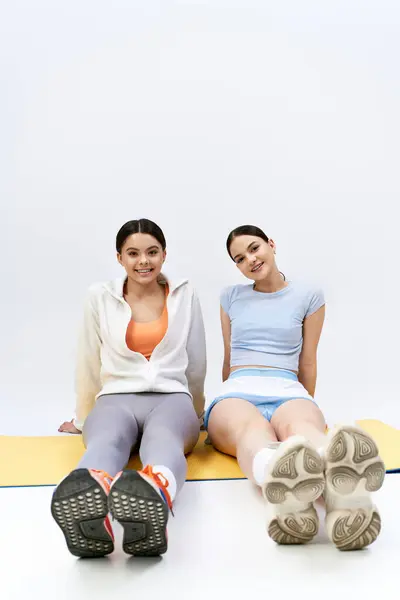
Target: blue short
{"type": "Point", "coordinates": [267, 389]}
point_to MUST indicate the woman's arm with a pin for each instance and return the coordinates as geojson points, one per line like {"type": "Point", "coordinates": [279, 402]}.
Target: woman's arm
{"type": "Point", "coordinates": [87, 376]}
{"type": "Point", "coordinates": [312, 328]}
{"type": "Point", "coordinates": [197, 360]}
{"type": "Point", "coordinates": [226, 334]}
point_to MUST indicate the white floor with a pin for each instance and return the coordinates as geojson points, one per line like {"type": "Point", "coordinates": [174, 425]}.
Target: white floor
{"type": "Point", "coordinates": [218, 548]}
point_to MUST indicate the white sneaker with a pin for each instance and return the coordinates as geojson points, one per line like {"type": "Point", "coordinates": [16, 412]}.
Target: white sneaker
{"type": "Point", "coordinates": [353, 470]}
{"type": "Point", "coordinates": [294, 480]}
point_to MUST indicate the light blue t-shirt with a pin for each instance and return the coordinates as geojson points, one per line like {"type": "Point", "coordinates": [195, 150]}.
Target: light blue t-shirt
{"type": "Point", "coordinates": [267, 328]}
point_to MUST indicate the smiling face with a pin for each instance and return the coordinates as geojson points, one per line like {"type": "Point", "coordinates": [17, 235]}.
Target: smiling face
{"type": "Point", "coordinates": [254, 257]}
{"type": "Point", "coordinates": [142, 258]}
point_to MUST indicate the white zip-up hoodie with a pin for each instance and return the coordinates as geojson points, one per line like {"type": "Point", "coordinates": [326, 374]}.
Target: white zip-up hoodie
{"type": "Point", "coordinates": [107, 366]}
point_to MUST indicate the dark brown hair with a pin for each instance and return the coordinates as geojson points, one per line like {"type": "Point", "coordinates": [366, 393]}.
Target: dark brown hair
{"type": "Point", "coordinates": [244, 230]}
{"type": "Point", "coordinates": [139, 226]}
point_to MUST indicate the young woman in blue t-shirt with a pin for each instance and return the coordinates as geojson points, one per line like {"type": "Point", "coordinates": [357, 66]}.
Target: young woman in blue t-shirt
{"type": "Point", "coordinates": [271, 329]}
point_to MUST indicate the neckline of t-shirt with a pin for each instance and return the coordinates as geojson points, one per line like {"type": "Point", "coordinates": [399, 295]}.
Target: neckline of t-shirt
{"type": "Point", "coordinates": [284, 290]}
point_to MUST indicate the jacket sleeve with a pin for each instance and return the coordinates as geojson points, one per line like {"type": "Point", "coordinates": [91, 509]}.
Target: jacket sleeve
{"type": "Point", "coordinates": [196, 352]}
{"type": "Point", "coordinates": [87, 376]}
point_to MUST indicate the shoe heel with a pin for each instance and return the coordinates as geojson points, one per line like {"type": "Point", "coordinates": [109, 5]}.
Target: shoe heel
{"type": "Point", "coordinates": [294, 528]}
{"type": "Point", "coordinates": [353, 529]}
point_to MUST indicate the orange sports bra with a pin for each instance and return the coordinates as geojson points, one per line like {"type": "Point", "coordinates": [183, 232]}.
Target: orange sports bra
{"type": "Point", "coordinates": [144, 337]}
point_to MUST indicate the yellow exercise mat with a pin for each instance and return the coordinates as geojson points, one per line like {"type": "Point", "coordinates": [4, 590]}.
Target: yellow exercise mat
{"type": "Point", "coordinates": [27, 461]}
{"type": "Point", "coordinates": [388, 441]}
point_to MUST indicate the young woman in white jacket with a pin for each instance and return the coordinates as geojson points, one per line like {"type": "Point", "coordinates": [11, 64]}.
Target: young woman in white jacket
{"type": "Point", "coordinates": [140, 381]}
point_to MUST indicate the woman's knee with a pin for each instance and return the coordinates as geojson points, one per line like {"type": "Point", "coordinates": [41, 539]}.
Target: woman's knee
{"type": "Point", "coordinates": [291, 418]}
{"type": "Point", "coordinates": [165, 434]}
{"type": "Point", "coordinates": [191, 424]}
{"type": "Point", "coordinates": [175, 419]}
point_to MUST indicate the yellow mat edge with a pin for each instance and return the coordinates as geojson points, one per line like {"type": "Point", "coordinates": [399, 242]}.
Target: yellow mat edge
{"type": "Point", "coordinates": [229, 467]}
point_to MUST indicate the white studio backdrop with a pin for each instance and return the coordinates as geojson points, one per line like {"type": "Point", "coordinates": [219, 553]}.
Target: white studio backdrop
{"type": "Point", "coordinates": [201, 116]}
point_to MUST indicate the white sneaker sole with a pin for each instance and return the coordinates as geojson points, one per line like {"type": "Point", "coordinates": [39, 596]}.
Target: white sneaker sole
{"type": "Point", "coordinates": [353, 470]}
{"type": "Point", "coordinates": [294, 480]}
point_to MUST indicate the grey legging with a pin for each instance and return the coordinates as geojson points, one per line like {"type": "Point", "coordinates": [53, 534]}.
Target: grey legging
{"type": "Point", "coordinates": [166, 423]}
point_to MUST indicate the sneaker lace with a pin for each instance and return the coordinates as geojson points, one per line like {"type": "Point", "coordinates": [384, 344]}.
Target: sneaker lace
{"type": "Point", "coordinates": [104, 478]}
{"type": "Point", "coordinates": [162, 483]}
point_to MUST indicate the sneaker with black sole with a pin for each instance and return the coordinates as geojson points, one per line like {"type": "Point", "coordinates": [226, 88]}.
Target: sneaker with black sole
{"type": "Point", "coordinates": [79, 506]}
{"type": "Point", "coordinates": [140, 502]}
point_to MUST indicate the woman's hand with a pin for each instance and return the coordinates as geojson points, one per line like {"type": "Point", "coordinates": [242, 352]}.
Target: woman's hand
{"type": "Point", "coordinates": [68, 427]}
